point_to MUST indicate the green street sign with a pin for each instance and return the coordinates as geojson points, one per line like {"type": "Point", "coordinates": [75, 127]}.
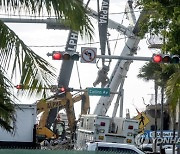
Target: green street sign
{"type": "Point", "coordinates": [99, 91]}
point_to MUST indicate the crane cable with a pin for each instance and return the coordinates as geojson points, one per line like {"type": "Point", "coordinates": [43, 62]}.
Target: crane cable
{"type": "Point", "coordinates": [118, 34]}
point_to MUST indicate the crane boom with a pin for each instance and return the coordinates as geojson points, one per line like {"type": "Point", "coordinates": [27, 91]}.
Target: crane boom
{"type": "Point", "coordinates": [118, 75]}
{"type": "Point", "coordinates": [121, 68]}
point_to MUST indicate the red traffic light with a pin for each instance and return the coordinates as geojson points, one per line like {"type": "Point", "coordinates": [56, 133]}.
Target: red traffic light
{"type": "Point", "coordinates": [62, 89]}
{"type": "Point", "coordinates": [157, 58]}
{"type": "Point", "coordinates": [160, 58]}
{"type": "Point", "coordinates": [19, 86]}
{"type": "Point", "coordinates": [59, 55]}
{"type": "Point", "coordinates": [56, 55]}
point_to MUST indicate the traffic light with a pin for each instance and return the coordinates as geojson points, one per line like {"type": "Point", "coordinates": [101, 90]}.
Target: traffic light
{"type": "Point", "coordinates": [61, 55]}
{"type": "Point", "coordinates": [64, 90]}
{"type": "Point", "coordinates": [163, 58]}
{"type": "Point", "coordinates": [20, 86]}
{"type": "Point", "coordinates": [56, 55]}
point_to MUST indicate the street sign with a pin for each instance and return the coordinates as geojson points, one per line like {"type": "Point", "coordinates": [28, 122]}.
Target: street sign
{"type": "Point", "coordinates": [88, 55]}
{"type": "Point", "coordinates": [143, 120]}
{"type": "Point", "coordinates": [99, 91]}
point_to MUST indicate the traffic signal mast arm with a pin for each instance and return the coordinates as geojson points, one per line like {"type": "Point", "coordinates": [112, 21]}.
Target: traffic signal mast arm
{"type": "Point", "coordinates": [156, 58]}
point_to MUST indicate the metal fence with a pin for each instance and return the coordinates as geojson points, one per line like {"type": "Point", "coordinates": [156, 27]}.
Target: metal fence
{"type": "Point", "coordinates": [38, 151]}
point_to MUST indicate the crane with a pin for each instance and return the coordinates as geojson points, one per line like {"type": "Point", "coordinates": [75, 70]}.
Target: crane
{"type": "Point", "coordinates": [98, 126]}
{"type": "Point", "coordinates": [120, 70]}
{"type": "Point", "coordinates": [117, 79]}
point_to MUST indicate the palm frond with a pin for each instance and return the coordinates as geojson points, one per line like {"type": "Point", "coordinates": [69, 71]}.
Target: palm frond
{"type": "Point", "coordinates": [7, 114]}
{"type": "Point", "coordinates": [35, 72]}
{"type": "Point", "coordinates": [149, 71]}
{"type": "Point", "coordinates": [173, 89]}
{"type": "Point", "coordinates": [72, 11]}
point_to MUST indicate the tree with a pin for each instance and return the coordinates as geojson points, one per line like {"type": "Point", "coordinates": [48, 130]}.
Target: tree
{"type": "Point", "coordinates": [151, 71]}
{"type": "Point", "coordinates": [173, 88]}
{"type": "Point", "coordinates": [160, 73]}
{"type": "Point", "coordinates": [164, 19]}
{"type": "Point", "coordinates": [35, 73]}
{"type": "Point", "coordinates": [173, 96]}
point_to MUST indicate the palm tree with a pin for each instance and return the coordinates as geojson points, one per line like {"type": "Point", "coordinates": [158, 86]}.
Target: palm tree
{"type": "Point", "coordinates": [160, 73]}
{"type": "Point", "coordinates": [151, 71]}
{"type": "Point", "coordinates": [173, 97]}
{"type": "Point", "coordinates": [173, 88]}
{"type": "Point", "coordinates": [36, 74]}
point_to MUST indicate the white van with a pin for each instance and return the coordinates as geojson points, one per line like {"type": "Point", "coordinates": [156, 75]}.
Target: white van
{"type": "Point", "coordinates": [114, 147]}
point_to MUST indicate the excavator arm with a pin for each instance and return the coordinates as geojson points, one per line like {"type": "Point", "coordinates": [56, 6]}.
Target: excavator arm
{"type": "Point", "coordinates": [66, 102]}
{"type": "Point", "coordinates": [45, 106]}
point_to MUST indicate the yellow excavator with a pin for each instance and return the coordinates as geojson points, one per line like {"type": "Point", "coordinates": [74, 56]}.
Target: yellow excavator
{"type": "Point", "coordinates": [45, 131]}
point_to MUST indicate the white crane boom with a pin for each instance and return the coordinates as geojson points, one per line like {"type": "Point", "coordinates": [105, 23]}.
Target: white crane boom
{"type": "Point", "coordinates": [118, 75]}
{"type": "Point", "coordinates": [122, 66]}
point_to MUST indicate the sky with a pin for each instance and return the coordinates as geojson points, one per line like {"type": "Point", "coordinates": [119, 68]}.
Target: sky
{"type": "Point", "coordinates": [134, 89]}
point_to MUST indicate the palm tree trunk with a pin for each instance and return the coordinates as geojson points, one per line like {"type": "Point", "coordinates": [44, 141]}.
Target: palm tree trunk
{"type": "Point", "coordinates": [155, 130]}
{"type": "Point", "coordinates": [162, 114]}
{"type": "Point", "coordinates": [178, 147]}
{"type": "Point", "coordinates": [174, 130]}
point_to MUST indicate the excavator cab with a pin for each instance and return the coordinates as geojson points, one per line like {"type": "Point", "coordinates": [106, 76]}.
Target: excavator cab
{"type": "Point", "coordinates": [59, 129]}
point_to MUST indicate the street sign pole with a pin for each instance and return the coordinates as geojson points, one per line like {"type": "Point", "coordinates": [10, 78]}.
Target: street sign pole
{"type": "Point", "coordinates": [88, 55]}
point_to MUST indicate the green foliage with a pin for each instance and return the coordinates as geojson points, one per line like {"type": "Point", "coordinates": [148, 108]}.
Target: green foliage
{"type": "Point", "coordinates": [72, 11]}
{"type": "Point", "coordinates": [164, 75]}
{"type": "Point", "coordinates": [33, 70]}
{"type": "Point", "coordinates": [150, 71]}
{"type": "Point", "coordinates": [164, 19]}
{"type": "Point", "coordinates": [7, 116]}
{"type": "Point", "coordinates": [173, 89]}
{"type": "Point", "coordinates": [15, 57]}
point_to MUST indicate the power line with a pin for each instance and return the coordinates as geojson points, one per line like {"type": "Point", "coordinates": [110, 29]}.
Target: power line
{"type": "Point", "coordinates": [42, 16]}
{"type": "Point", "coordinates": [31, 16]}
{"type": "Point", "coordinates": [47, 46]}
